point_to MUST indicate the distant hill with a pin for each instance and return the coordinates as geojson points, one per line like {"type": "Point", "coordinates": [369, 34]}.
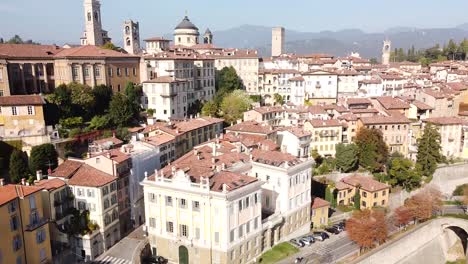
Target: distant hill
{"type": "Point", "coordinates": [339, 43]}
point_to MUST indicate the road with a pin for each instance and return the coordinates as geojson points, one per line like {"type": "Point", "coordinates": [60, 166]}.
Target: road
{"type": "Point", "coordinates": [329, 251]}
{"type": "Point", "coordinates": [453, 209]}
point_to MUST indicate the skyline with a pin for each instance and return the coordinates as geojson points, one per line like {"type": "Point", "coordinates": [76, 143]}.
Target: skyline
{"type": "Point", "coordinates": [157, 18]}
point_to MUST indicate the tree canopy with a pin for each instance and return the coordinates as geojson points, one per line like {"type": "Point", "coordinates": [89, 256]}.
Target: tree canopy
{"type": "Point", "coordinates": [367, 228]}
{"type": "Point", "coordinates": [429, 150]}
{"type": "Point", "coordinates": [121, 110]}
{"type": "Point", "coordinates": [403, 173]}
{"type": "Point", "coordinates": [234, 105]}
{"type": "Point", "coordinates": [346, 157]}
{"type": "Point", "coordinates": [372, 149]}
{"type": "Point", "coordinates": [18, 166]}
{"type": "Point", "coordinates": [43, 157]}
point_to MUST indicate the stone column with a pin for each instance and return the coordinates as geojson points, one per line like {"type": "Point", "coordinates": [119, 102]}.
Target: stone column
{"type": "Point", "coordinates": [81, 73]}
{"type": "Point", "coordinates": [268, 236]}
{"type": "Point", "coordinates": [93, 78]}
{"type": "Point", "coordinates": [46, 77]}
{"type": "Point", "coordinates": [23, 81]}
{"type": "Point", "coordinates": [276, 235]}
{"type": "Point", "coordinates": [34, 78]}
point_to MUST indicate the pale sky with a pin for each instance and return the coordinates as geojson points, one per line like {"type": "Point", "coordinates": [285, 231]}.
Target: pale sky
{"type": "Point", "coordinates": [60, 21]}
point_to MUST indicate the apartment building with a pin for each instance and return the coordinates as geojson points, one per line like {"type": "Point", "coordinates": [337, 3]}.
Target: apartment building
{"type": "Point", "coordinates": [395, 130]}
{"type": "Point", "coordinates": [22, 118]}
{"type": "Point", "coordinates": [325, 135]}
{"type": "Point", "coordinates": [95, 192]}
{"type": "Point", "coordinates": [443, 102]}
{"type": "Point", "coordinates": [319, 213]}
{"type": "Point", "coordinates": [23, 225]}
{"type": "Point", "coordinates": [253, 128]}
{"type": "Point", "coordinates": [372, 193]}
{"type": "Point", "coordinates": [452, 134]}
{"type": "Point", "coordinates": [321, 86]}
{"type": "Point", "coordinates": [270, 115]}
{"type": "Point", "coordinates": [295, 141]}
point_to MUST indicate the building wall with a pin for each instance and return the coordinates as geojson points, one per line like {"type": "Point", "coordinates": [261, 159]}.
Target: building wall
{"type": "Point", "coordinates": [6, 243]}
{"type": "Point", "coordinates": [368, 199]}
{"type": "Point", "coordinates": [324, 139]}
{"type": "Point", "coordinates": [320, 216]}
{"type": "Point", "coordinates": [246, 68]}
{"type": "Point", "coordinates": [4, 82]}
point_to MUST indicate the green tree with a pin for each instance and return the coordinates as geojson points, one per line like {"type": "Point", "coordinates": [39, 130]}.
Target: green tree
{"type": "Point", "coordinates": [62, 98]}
{"type": "Point", "coordinates": [346, 157]}
{"type": "Point", "coordinates": [403, 174]}
{"type": "Point", "coordinates": [16, 39]}
{"type": "Point", "coordinates": [372, 149]}
{"type": "Point", "coordinates": [234, 105]}
{"type": "Point", "coordinates": [42, 157]}
{"type": "Point", "coordinates": [316, 156]}
{"type": "Point", "coordinates": [120, 110]}
{"type": "Point", "coordinates": [278, 99]}
{"type": "Point", "coordinates": [82, 98]}
{"type": "Point", "coordinates": [227, 81]}
{"type": "Point", "coordinates": [18, 166]}
{"type": "Point", "coordinates": [329, 196]}
{"type": "Point", "coordinates": [429, 150]}
{"type": "Point", "coordinates": [210, 108]}
{"type": "Point", "coordinates": [99, 122]}
{"type": "Point", "coordinates": [133, 98]}
{"type": "Point", "coordinates": [102, 95]}
{"type": "Point", "coordinates": [357, 198]}
{"type": "Point", "coordinates": [373, 61]}
{"type": "Point", "coordinates": [110, 46]}
{"type": "Point", "coordinates": [71, 122]}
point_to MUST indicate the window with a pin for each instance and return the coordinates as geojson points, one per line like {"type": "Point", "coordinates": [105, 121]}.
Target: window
{"type": "Point", "coordinates": [119, 72]}
{"type": "Point", "coordinates": [40, 236]}
{"type": "Point", "coordinates": [168, 200]}
{"type": "Point", "coordinates": [32, 202]}
{"type": "Point", "coordinates": [17, 243]}
{"type": "Point", "coordinates": [383, 202]}
{"type": "Point", "coordinates": [376, 194]}
{"type": "Point", "coordinates": [247, 202]}
{"type": "Point", "coordinates": [364, 204]}
{"type": "Point", "coordinates": [89, 16]}
{"type": "Point", "coordinates": [97, 72]}
{"type": "Point", "coordinates": [383, 193]}
{"type": "Point", "coordinates": [127, 72]}
{"type": "Point", "coordinates": [183, 203]}
{"type": "Point", "coordinates": [152, 222]}
{"type": "Point", "coordinates": [105, 191]}
{"type": "Point", "coordinates": [256, 198]}
{"type": "Point", "coordinates": [241, 230]}
{"type": "Point", "coordinates": [90, 193]}
{"type": "Point", "coordinates": [106, 203]}
{"type": "Point", "coordinates": [152, 197]}
{"type": "Point", "coordinates": [247, 227]}
{"type": "Point", "coordinates": [216, 234]}
{"type": "Point", "coordinates": [240, 205]}
{"type": "Point", "coordinates": [196, 205]}
{"type": "Point", "coordinates": [12, 207]}
{"type": "Point", "coordinates": [197, 233]}
{"type": "Point", "coordinates": [184, 230]}
{"type": "Point", "coordinates": [86, 72]}
{"type": "Point", "coordinates": [42, 254]}
{"type": "Point", "coordinates": [14, 110]}
{"type": "Point", "coordinates": [30, 110]}
{"type": "Point", "coordinates": [231, 235]}
{"type": "Point", "coordinates": [14, 223]}
{"type": "Point", "coordinates": [110, 71]}
{"type": "Point", "coordinates": [134, 72]}
{"type": "Point", "coordinates": [169, 227]}
{"type": "Point", "coordinates": [364, 194]}
{"type": "Point", "coordinates": [113, 199]}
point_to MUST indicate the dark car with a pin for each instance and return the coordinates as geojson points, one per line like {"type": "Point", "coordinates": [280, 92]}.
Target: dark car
{"type": "Point", "coordinates": [154, 260]}
{"type": "Point", "coordinates": [338, 227]}
{"type": "Point", "coordinates": [320, 236]}
{"type": "Point", "coordinates": [342, 224]}
{"type": "Point", "coordinates": [297, 242]}
{"type": "Point", "coordinates": [332, 230]}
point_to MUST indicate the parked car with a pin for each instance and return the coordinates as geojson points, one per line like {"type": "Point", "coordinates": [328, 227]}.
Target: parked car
{"type": "Point", "coordinates": [296, 242]}
{"type": "Point", "coordinates": [155, 260]}
{"type": "Point", "coordinates": [332, 230]}
{"type": "Point", "coordinates": [305, 241]}
{"type": "Point", "coordinates": [298, 260]}
{"type": "Point", "coordinates": [320, 236]}
{"type": "Point", "coordinates": [342, 224]}
{"type": "Point", "coordinates": [338, 227]}
{"type": "Point", "coordinates": [310, 238]}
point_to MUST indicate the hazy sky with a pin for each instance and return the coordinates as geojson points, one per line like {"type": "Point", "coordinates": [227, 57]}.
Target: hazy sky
{"type": "Point", "coordinates": [62, 20]}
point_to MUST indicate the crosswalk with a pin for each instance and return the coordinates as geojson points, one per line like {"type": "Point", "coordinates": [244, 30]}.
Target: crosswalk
{"type": "Point", "coordinates": [112, 260]}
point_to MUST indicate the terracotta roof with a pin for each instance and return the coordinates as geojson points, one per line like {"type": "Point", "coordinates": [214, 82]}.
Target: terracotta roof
{"type": "Point", "coordinates": [297, 131]}
{"type": "Point", "coordinates": [297, 78]}
{"type": "Point", "coordinates": [389, 102]}
{"type": "Point", "coordinates": [232, 180]}
{"type": "Point", "coordinates": [319, 203]}
{"type": "Point", "coordinates": [10, 192]}
{"type": "Point", "coordinates": [348, 117]}
{"type": "Point", "coordinates": [325, 123]}
{"type": "Point", "coordinates": [268, 109]}
{"type": "Point", "coordinates": [159, 139]}
{"type": "Point", "coordinates": [165, 79]}
{"type": "Point", "coordinates": [449, 120]}
{"type": "Point", "coordinates": [371, 81]}
{"type": "Point", "coordinates": [364, 111]}
{"type": "Point", "coordinates": [274, 158]}
{"type": "Point", "coordinates": [113, 140]}
{"type": "Point", "coordinates": [232, 54]}
{"type": "Point", "coordinates": [90, 177]}
{"type": "Point", "coordinates": [28, 51]}
{"type": "Point", "coordinates": [15, 100]}
{"type": "Point", "coordinates": [251, 127]}
{"type": "Point", "coordinates": [366, 183]}
{"type": "Point", "coordinates": [66, 169]}
{"type": "Point", "coordinates": [354, 101]}
{"type": "Point", "coordinates": [422, 106]}
{"type": "Point", "coordinates": [116, 155]}
{"type": "Point", "coordinates": [380, 119]}
{"type": "Point", "coordinates": [435, 94]}
{"type": "Point", "coordinates": [342, 186]}
{"type": "Point", "coordinates": [90, 51]}
{"type": "Point", "coordinates": [50, 184]}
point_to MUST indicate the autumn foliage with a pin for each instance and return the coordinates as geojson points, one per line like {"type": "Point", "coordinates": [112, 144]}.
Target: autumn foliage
{"type": "Point", "coordinates": [423, 205]}
{"type": "Point", "coordinates": [403, 216]}
{"type": "Point", "coordinates": [367, 228]}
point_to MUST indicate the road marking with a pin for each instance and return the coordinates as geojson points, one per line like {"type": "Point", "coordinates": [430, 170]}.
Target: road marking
{"type": "Point", "coordinates": [112, 260]}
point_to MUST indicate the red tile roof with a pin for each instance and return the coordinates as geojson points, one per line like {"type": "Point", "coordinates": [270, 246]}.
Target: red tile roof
{"type": "Point", "coordinates": [10, 192]}
{"type": "Point", "coordinates": [319, 203]}
{"type": "Point", "coordinates": [389, 102]}
{"type": "Point", "coordinates": [159, 139]}
{"type": "Point", "coordinates": [325, 123]}
{"type": "Point", "coordinates": [50, 184]}
{"type": "Point", "coordinates": [366, 183]}
{"type": "Point", "coordinates": [15, 100]}
{"type": "Point", "coordinates": [445, 120]}
{"type": "Point", "coordinates": [251, 127]}
{"type": "Point", "coordinates": [90, 51]}
{"type": "Point", "coordinates": [28, 51]}
{"type": "Point", "coordinates": [380, 119]}
{"type": "Point", "coordinates": [90, 177]}
{"type": "Point", "coordinates": [113, 140]}
{"type": "Point", "coordinates": [274, 158]}
{"type": "Point", "coordinates": [66, 169]}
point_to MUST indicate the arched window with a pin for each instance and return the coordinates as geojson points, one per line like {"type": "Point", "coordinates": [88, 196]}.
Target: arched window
{"type": "Point", "coordinates": [128, 42]}
{"type": "Point", "coordinates": [96, 16]}
{"type": "Point", "coordinates": [127, 30]}
{"type": "Point", "coordinates": [89, 16]}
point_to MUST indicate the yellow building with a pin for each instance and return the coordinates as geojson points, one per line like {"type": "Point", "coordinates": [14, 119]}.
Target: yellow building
{"type": "Point", "coordinates": [93, 66]}
{"type": "Point", "coordinates": [320, 209]}
{"type": "Point", "coordinates": [23, 227]}
{"type": "Point", "coordinates": [22, 118]}
{"type": "Point", "coordinates": [325, 135]}
{"type": "Point", "coordinates": [373, 193]}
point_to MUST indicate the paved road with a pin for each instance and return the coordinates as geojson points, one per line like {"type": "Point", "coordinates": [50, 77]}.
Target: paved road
{"type": "Point", "coordinates": [126, 251]}
{"type": "Point", "coordinates": [329, 251]}
{"type": "Point", "coordinates": [453, 209]}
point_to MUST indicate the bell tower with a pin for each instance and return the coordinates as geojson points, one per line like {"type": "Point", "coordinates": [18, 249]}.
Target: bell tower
{"type": "Point", "coordinates": [208, 37]}
{"type": "Point", "coordinates": [131, 33]}
{"type": "Point", "coordinates": [386, 50]}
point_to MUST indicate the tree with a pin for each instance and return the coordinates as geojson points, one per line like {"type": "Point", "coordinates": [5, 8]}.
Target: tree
{"type": "Point", "coordinates": [18, 40]}
{"type": "Point", "coordinates": [372, 149]}
{"type": "Point", "coordinates": [71, 122]}
{"type": "Point", "coordinates": [429, 150]}
{"type": "Point", "coordinates": [43, 157]}
{"type": "Point", "coordinates": [422, 205]}
{"type": "Point", "coordinates": [234, 105]}
{"type": "Point", "coordinates": [133, 97]}
{"type": "Point", "coordinates": [210, 108]}
{"type": "Point", "coordinates": [99, 122]}
{"type": "Point", "coordinates": [102, 96]}
{"type": "Point", "coordinates": [373, 61]}
{"type": "Point", "coordinates": [278, 99]}
{"type": "Point", "coordinates": [120, 110]}
{"type": "Point", "coordinates": [367, 228]}
{"type": "Point", "coordinates": [403, 174]}
{"type": "Point", "coordinates": [18, 166]}
{"type": "Point", "coordinates": [346, 157]}
{"type": "Point", "coordinates": [227, 81]}
{"type": "Point", "coordinates": [357, 198]}
{"type": "Point", "coordinates": [330, 195]}
{"type": "Point", "coordinates": [82, 98]}
{"type": "Point", "coordinates": [110, 46]}
{"type": "Point", "coordinates": [316, 156]}
{"type": "Point", "coordinates": [62, 98]}
{"type": "Point", "coordinates": [402, 216]}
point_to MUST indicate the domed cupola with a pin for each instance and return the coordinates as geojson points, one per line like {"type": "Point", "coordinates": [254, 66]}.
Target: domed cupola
{"type": "Point", "coordinates": [186, 33]}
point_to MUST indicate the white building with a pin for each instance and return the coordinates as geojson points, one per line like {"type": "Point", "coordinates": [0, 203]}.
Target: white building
{"type": "Point", "coordinates": [93, 34]}
{"type": "Point", "coordinates": [321, 86]}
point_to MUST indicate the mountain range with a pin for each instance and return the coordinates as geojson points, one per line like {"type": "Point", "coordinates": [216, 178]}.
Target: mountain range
{"type": "Point", "coordinates": [339, 43]}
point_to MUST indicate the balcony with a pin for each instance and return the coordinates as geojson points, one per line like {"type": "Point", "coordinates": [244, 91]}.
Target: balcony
{"type": "Point", "coordinates": [36, 224]}
{"type": "Point", "coordinates": [326, 133]}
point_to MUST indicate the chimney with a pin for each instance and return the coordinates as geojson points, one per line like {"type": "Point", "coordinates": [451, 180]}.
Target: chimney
{"type": "Point", "coordinates": [108, 154]}
{"type": "Point", "coordinates": [23, 181]}
{"type": "Point", "coordinates": [223, 166]}
{"type": "Point", "coordinates": [113, 134]}
{"type": "Point", "coordinates": [146, 175]}
{"type": "Point", "coordinates": [2, 182]}
{"type": "Point", "coordinates": [39, 175]}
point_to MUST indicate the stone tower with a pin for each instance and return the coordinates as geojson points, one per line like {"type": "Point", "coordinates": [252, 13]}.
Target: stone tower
{"type": "Point", "coordinates": [277, 41]}
{"type": "Point", "coordinates": [131, 33]}
{"type": "Point", "coordinates": [386, 50]}
{"type": "Point", "coordinates": [208, 37]}
{"type": "Point", "coordinates": [93, 34]}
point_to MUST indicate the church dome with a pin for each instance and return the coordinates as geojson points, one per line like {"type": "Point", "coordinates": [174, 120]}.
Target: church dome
{"type": "Point", "coordinates": [186, 24]}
